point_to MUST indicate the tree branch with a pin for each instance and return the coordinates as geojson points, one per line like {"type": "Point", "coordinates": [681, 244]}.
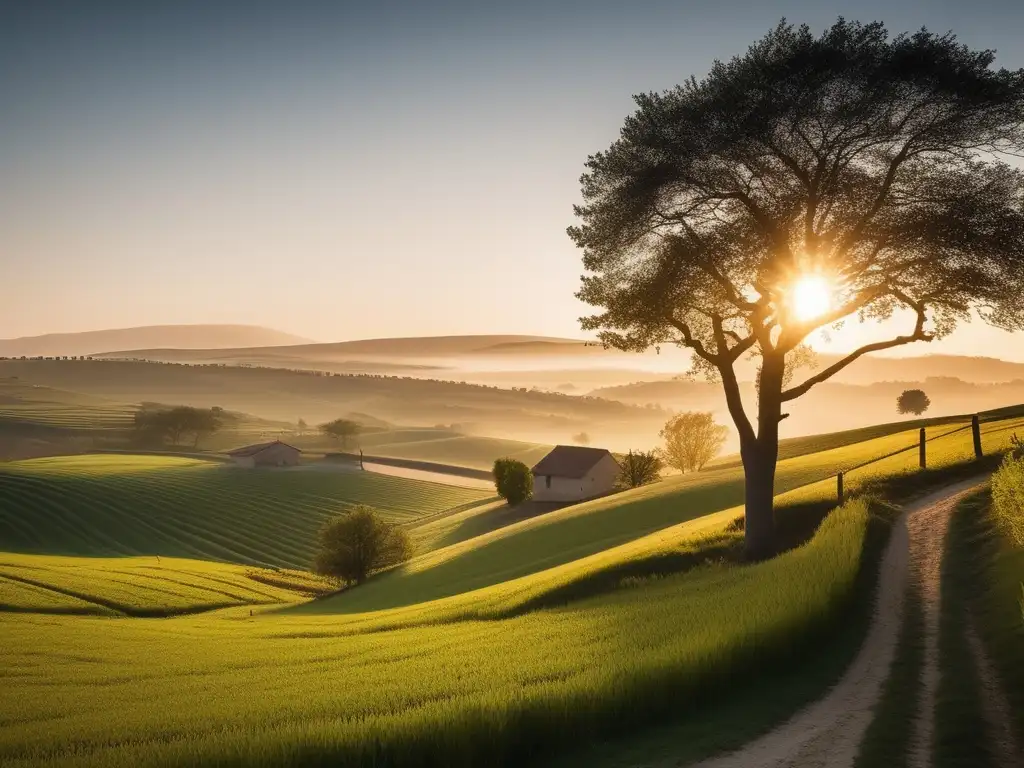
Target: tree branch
{"type": "Point", "coordinates": [917, 335]}
{"type": "Point", "coordinates": [688, 340]}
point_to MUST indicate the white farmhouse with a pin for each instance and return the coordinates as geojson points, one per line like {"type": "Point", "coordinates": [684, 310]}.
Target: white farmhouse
{"type": "Point", "coordinates": [273, 454]}
{"type": "Point", "coordinates": [573, 473]}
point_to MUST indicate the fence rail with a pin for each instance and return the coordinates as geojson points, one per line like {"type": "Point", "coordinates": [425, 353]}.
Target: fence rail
{"type": "Point", "coordinates": [921, 444]}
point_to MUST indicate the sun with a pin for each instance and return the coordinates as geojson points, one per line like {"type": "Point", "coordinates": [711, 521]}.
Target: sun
{"type": "Point", "coordinates": [811, 297]}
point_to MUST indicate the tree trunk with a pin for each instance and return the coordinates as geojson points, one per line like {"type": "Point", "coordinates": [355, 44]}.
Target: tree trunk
{"type": "Point", "coordinates": [759, 511]}
{"type": "Point", "coordinates": [760, 457]}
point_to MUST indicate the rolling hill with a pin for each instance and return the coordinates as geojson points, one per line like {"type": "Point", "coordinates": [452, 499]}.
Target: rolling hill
{"type": "Point", "coordinates": [288, 394]}
{"type": "Point", "coordinates": [106, 505]}
{"type": "Point", "coordinates": [179, 336]}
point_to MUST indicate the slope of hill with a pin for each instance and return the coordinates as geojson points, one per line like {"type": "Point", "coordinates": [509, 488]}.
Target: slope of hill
{"type": "Point", "coordinates": [160, 505]}
{"type": "Point", "coordinates": [179, 336]}
{"type": "Point", "coordinates": [412, 348]}
{"type": "Point", "coordinates": [514, 565]}
{"type": "Point", "coordinates": [290, 394]}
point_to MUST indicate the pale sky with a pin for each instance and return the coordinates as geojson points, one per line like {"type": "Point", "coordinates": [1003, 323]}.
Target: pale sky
{"type": "Point", "coordinates": [349, 169]}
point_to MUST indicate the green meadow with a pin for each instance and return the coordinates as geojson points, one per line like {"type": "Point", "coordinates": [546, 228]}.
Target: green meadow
{"type": "Point", "coordinates": [111, 504]}
{"type": "Point", "coordinates": [573, 542]}
{"type": "Point", "coordinates": [280, 690]}
{"type": "Point", "coordinates": [501, 644]}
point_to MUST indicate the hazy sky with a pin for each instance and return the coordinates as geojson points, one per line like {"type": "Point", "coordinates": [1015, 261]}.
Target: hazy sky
{"type": "Point", "coordinates": [348, 169]}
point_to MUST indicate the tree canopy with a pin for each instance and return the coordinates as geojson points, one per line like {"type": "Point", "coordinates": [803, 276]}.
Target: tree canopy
{"type": "Point", "coordinates": [692, 439]}
{"type": "Point", "coordinates": [513, 480]}
{"type": "Point", "coordinates": [875, 166]}
{"type": "Point", "coordinates": [161, 424]}
{"type": "Point", "coordinates": [354, 545]}
{"type": "Point", "coordinates": [341, 430]}
{"type": "Point", "coordinates": [638, 468]}
{"type": "Point", "coordinates": [913, 401]}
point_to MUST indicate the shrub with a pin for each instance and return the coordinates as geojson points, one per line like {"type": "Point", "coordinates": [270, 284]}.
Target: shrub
{"type": "Point", "coordinates": [1008, 498]}
{"type": "Point", "coordinates": [640, 468]}
{"type": "Point", "coordinates": [356, 544]}
{"type": "Point", "coordinates": [512, 480]}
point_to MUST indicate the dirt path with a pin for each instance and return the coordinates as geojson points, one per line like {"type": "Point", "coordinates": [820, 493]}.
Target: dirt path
{"type": "Point", "coordinates": [997, 710]}
{"type": "Point", "coordinates": [829, 732]}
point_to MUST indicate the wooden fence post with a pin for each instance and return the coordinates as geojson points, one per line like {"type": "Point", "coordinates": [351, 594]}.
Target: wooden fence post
{"type": "Point", "coordinates": [976, 431]}
{"type": "Point", "coordinates": [839, 487]}
{"type": "Point", "coordinates": [923, 451]}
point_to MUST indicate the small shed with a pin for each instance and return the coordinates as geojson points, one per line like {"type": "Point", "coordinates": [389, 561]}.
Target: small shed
{"type": "Point", "coordinates": [272, 454]}
{"type": "Point", "coordinates": [574, 473]}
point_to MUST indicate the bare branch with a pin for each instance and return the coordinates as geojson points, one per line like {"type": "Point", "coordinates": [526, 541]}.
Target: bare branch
{"type": "Point", "coordinates": [832, 370]}
{"type": "Point", "coordinates": [688, 340]}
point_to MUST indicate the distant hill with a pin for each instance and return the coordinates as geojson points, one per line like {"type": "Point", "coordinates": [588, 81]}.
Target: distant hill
{"type": "Point", "coordinates": [149, 336]}
{"type": "Point", "coordinates": [979, 370]}
{"type": "Point", "coordinates": [408, 348]}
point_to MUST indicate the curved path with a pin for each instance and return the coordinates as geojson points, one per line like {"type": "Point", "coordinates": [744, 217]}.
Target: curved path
{"type": "Point", "coordinates": [829, 731]}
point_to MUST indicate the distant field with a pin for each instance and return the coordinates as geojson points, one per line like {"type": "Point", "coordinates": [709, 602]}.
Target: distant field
{"type": "Point", "coordinates": [27, 404]}
{"type": "Point", "coordinates": [792, 447]}
{"type": "Point", "coordinates": [106, 505]}
{"type": "Point", "coordinates": [141, 586]}
{"type": "Point", "coordinates": [446, 447]}
{"type": "Point", "coordinates": [282, 394]}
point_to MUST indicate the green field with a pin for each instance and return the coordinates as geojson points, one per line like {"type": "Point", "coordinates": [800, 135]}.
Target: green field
{"type": "Point", "coordinates": [458, 658]}
{"type": "Point", "coordinates": [278, 690]}
{"type": "Point", "coordinates": [447, 447]}
{"type": "Point", "coordinates": [573, 542]}
{"type": "Point", "coordinates": [110, 505]}
{"type": "Point", "coordinates": [142, 586]}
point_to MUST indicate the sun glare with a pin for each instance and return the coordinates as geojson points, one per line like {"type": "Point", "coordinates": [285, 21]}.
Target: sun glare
{"type": "Point", "coordinates": [811, 297]}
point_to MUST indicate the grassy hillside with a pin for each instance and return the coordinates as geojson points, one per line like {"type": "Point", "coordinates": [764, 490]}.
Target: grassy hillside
{"type": "Point", "coordinates": [478, 677]}
{"type": "Point", "coordinates": [158, 505]}
{"type": "Point", "coordinates": [265, 691]}
{"type": "Point", "coordinates": [291, 394]}
{"type": "Point", "coordinates": [142, 586]}
{"type": "Point", "coordinates": [600, 534]}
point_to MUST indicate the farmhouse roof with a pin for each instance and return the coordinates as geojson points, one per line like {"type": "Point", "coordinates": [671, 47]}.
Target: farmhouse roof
{"type": "Point", "coordinates": [571, 461]}
{"type": "Point", "coordinates": [252, 450]}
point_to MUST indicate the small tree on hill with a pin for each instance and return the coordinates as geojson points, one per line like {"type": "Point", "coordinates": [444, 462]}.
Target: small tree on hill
{"type": "Point", "coordinates": [358, 543]}
{"type": "Point", "coordinates": [640, 468]}
{"type": "Point", "coordinates": [582, 438]}
{"type": "Point", "coordinates": [301, 427]}
{"type": "Point", "coordinates": [913, 401]}
{"type": "Point", "coordinates": [341, 430]}
{"type": "Point", "coordinates": [512, 480]}
{"type": "Point", "coordinates": [692, 439]}
{"type": "Point", "coordinates": [203, 423]}
{"type": "Point", "coordinates": [158, 425]}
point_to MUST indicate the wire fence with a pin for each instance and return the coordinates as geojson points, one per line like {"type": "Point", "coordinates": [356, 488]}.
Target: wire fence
{"type": "Point", "coordinates": [923, 441]}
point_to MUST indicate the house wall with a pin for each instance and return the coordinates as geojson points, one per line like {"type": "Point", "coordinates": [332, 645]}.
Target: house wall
{"type": "Point", "coordinates": [277, 456]}
{"type": "Point", "coordinates": [243, 461]}
{"type": "Point", "coordinates": [599, 481]}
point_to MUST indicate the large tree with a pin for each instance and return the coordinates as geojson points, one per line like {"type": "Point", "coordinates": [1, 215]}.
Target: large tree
{"type": "Point", "coordinates": [811, 180]}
